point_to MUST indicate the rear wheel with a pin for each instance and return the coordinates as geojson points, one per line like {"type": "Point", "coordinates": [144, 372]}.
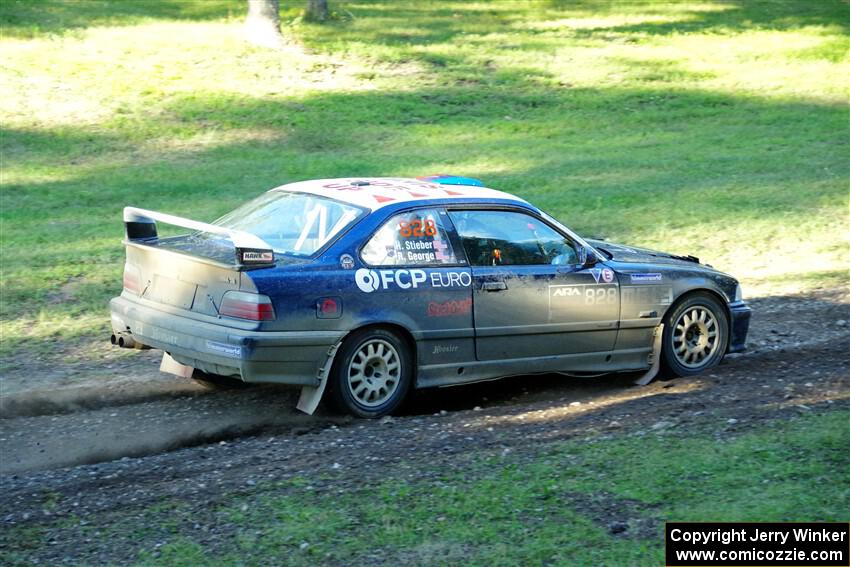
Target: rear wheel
{"type": "Point", "coordinates": [372, 374]}
{"type": "Point", "coordinates": [696, 332]}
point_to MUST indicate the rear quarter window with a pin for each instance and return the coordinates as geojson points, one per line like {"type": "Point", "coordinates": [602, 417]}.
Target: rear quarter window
{"type": "Point", "coordinates": [413, 238]}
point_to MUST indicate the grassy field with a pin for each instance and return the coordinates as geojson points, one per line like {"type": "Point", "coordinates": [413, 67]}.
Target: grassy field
{"type": "Point", "coordinates": [717, 129]}
{"type": "Point", "coordinates": [556, 507]}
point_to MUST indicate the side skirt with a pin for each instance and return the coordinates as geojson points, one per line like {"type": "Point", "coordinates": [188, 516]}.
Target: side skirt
{"type": "Point", "coordinates": [435, 375]}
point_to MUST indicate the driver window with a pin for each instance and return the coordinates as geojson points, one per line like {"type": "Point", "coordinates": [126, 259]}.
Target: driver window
{"type": "Point", "coordinates": [509, 238]}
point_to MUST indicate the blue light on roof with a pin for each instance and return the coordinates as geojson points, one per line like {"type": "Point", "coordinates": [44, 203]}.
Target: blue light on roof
{"type": "Point", "coordinates": [446, 179]}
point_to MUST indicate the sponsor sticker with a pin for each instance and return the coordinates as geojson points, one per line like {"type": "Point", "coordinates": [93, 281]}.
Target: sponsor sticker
{"type": "Point", "coordinates": [225, 349]}
{"type": "Point", "coordinates": [607, 275]}
{"type": "Point", "coordinates": [644, 278]}
{"type": "Point", "coordinates": [367, 280]}
{"type": "Point", "coordinates": [346, 261]}
{"type": "Point", "coordinates": [257, 256]}
{"type": "Point", "coordinates": [449, 308]}
{"type": "Point", "coordinates": [564, 291]}
{"type": "Point", "coordinates": [647, 295]}
{"type": "Point", "coordinates": [372, 280]}
{"type": "Point", "coordinates": [596, 273]}
{"type": "Point", "coordinates": [564, 296]}
{"type": "Point", "coordinates": [444, 349]}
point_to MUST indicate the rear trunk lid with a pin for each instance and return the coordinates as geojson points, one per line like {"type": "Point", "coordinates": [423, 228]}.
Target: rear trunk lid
{"type": "Point", "coordinates": [187, 272]}
{"type": "Point", "coordinates": [191, 271]}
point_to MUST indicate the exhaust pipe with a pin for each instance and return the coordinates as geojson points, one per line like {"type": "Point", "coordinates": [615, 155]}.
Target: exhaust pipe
{"type": "Point", "coordinates": [124, 340]}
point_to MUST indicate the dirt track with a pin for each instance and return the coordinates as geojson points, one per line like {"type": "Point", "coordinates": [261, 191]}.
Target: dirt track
{"type": "Point", "coordinates": [212, 443]}
{"type": "Point", "coordinates": [104, 420]}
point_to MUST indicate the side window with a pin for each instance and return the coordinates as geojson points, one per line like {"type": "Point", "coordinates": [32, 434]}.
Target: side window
{"type": "Point", "coordinates": [493, 238]}
{"type": "Point", "coordinates": [414, 238]}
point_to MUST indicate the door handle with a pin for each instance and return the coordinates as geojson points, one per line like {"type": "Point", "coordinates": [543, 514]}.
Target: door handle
{"type": "Point", "coordinates": [494, 286]}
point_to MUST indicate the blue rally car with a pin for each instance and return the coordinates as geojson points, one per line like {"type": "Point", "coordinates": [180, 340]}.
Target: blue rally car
{"type": "Point", "coordinates": [369, 287]}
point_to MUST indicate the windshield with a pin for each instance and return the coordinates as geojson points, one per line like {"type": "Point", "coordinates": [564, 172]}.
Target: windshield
{"type": "Point", "coordinates": [292, 223]}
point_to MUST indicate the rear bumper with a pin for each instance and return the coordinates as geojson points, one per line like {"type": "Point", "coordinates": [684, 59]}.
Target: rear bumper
{"type": "Point", "coordinates": [203, 342]}
{"type": "Point", "coordinates": [739, 325]}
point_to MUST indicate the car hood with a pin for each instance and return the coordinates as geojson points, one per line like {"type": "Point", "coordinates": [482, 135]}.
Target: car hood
{"type": "Point", "coordinates": [623, 253]}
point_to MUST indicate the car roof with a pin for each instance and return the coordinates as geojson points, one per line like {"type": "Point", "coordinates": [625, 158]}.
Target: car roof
{"type": "Point", "coordinates": [374, 193]}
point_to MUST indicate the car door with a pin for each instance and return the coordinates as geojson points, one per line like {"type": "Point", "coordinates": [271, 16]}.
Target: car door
{"type": "Point", "coordinates": [531, 297]}
{"type": "Point", "coordinates": [414, 275]}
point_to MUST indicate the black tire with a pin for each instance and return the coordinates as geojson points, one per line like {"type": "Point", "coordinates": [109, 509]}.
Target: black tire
{"type": "Point", "coordinates": [216, 382]}
{"type": "Point", "coordinates": [352, 383]}
{"type": "Point", "coordinates": [686, 348]}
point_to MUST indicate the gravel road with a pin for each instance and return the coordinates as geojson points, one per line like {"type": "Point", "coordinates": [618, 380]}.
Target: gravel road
{"type": "Point", "coordinates": [120, 454]}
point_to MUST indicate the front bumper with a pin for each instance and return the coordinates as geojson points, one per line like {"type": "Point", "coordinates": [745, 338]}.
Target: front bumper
{"type": "Point", "coordinates": [739, 324]}
{"type": "Point", "coordinates": [206, 343]}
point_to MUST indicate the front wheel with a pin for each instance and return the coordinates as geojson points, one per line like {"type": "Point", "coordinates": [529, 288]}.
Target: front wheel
{"type": "Point", "coordinates": [695, 335]}
{"type": "Point", "coordinates": [372, 374]}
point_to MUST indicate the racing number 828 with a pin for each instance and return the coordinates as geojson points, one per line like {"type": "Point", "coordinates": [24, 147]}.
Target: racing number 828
{"type": "Point", "coordinates": [598, 295]}
{"type": "Point", "coordinates": [417, 228]}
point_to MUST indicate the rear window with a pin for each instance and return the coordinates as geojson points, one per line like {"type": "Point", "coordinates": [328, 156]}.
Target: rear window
{"type": "Point", "coordinates": [293, 223]}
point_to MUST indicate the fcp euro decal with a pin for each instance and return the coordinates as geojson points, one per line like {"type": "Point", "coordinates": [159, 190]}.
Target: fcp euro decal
{"type": "Point", "coordinates": [373, 280]}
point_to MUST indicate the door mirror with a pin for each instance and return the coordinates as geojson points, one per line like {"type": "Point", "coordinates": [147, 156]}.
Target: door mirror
{"type": "Point", "coordinates": [586, 258]}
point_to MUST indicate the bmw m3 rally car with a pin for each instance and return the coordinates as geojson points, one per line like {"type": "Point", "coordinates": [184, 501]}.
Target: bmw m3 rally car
{"type": "Point", "coordinates": [369, 287]}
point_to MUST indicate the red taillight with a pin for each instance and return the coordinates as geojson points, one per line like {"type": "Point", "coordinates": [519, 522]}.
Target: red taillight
{"type": "Point", "coordinates": [244, 305]}
{"type": "Point", "coordinates": [131, 281]}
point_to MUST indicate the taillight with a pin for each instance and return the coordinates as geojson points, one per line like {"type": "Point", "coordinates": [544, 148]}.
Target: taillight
{"type": "Point", "coordinates": [131, 280]}
{"type": "Point", "coordinates": [244, 305]}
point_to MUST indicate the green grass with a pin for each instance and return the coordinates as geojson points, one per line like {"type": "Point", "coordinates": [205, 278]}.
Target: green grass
{"type": "Point", "coordinates": [717, 129]}
{"type": "Point", "coordinates": [554, 507]}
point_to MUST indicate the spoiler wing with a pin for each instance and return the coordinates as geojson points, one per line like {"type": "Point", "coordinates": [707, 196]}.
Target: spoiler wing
{"type": "Point", "coordinates": [251, 250]}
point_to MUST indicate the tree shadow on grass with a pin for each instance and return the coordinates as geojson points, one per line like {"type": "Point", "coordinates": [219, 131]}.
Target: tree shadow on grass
{"type": "Point", "coordinates": [628, 126]}
{"type": "Point", "coordinates": [28, 18]}
{"type": "Point", "coordinates": [417, 24]}
{"type": "Point", "coordinates": [623, 146]}
{"type": "Point", "coordinates": [730, 15]}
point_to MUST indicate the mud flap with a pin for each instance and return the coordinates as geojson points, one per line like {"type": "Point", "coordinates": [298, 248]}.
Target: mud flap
{"type": "Point", "coordinates": [655, 357]}
{"type": "Point", "coordinates": [171, 366]}
{"type": "Point", "coordinates": [310, 396]}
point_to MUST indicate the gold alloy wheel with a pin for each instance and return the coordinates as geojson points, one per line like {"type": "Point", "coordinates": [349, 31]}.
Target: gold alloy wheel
{"type": "Point", "coordinates": [374, 373]}
{"type": "Point", "coordinates": [695, 336]}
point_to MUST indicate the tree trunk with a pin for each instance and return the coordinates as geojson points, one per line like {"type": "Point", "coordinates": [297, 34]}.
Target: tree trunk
{"type": "Point", "coordinates": [262, 26]}
{"type": "Point", "coordinates": [317, 10]}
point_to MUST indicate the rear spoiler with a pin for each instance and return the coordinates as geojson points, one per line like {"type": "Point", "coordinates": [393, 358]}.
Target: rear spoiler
{"type": "Point", "coordinates": [251, 250]}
